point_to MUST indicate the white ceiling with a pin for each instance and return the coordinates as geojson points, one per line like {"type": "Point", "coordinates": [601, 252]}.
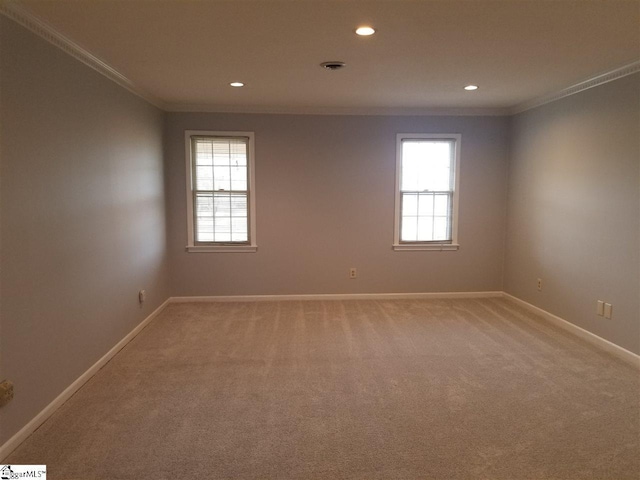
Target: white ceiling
{"type": "Point", "coordinates": [185, 53]}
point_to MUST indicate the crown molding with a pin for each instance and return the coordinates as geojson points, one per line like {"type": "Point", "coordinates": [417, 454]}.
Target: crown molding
{"type": "Point", "coordinates": [371, 111]}
{"type": "Point", "coordinates": [20, 15]}
{"type": "Point", "coordinates": [601, 79]}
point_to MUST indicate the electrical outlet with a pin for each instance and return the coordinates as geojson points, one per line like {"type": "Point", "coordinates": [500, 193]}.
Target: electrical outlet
{"type": "Point", "coordinates": [600, 308]}
{"type": "Point", "coordinates": [353, 273]}
{"type": "Point", "coordinates": [6, 392]}
{"type": "Point", "coordinates": [539, 284]}
{"type": "Point", "coordinates": [608, 310]}
{"type": "Point", "coordinates": [142, 296]}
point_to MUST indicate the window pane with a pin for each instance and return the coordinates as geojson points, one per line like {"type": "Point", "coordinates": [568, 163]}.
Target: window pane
{"type": "Point", "coordinates": [425, 229]}
{"type": "Point", "coordinates": [425, 204]}
{"type": "Point", "coordinates": [238, 178]}
{"type": "Point", "coordinates": [204, 218]}
{"type": "Point", "coordinates": [239, 229]}
{"type": "Point", "coordinates": [222, 237]}
{"type": "Point", "coordinates": [222, 204]}
{"type": "Point", "coordinates": [409, 229]}
{"type": "Point", "coordinates": [204, 204]}
{"type": "Point", "coordinates": [409, 204]}
{"type": "Point", "coordinates": [204, 177]}
{"type": "Point", "coordinates": [441, 206]}
{"type": "Point", "coordinates": [238, 151]}
{"type": "Point", "coordinates": [221, 178]}
{"type": "Point", "coordinates": [229, 157]}
{"type": "Point", "coordinates": [221, 153]}
{"type": "Point", "coordinates": [429, 222]}
{"type": "Point", "coordinates": [204, 152]}
{"type": "Point", "coordinates": [229, 151]}
{"type": "Point", "coordinates": [238, 205]}
{"type": "Point", "coordinates": [205, 232]}
{"type": "Point", "coordinates": [221, 217]}
{"type": "Point", "coordinates": [440, 228]}
{"type": "Point", "coordinates": [426, 165]}
{"type": "Point", "coordinates": [410, 170]}
{"type": "Point", "coordinates": [223, 229]}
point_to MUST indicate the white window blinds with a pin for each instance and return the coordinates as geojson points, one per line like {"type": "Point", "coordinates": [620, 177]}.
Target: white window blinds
{"type": "Point", "coordinates": [221, 190]}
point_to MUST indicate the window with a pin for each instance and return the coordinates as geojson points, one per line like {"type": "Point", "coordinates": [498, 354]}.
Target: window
{"type": "Point", "coordinates": [220, 191]}
{"type": "Point", "coordinates": [427, 178]}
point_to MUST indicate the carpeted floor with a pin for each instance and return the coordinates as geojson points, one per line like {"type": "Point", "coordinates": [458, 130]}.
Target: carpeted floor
{"type": "Point", "coordinates": [433, 389]}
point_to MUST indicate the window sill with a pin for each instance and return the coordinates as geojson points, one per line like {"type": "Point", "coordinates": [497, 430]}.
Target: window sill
{"type": "Point", "coordinates": [221, 248]}
{"type": "Point", "coordinates": [413, 247]}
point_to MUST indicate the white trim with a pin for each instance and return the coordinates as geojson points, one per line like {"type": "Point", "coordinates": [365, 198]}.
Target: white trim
{"type": "Point", "coordinates": [15, 441]}
{"type": "Point", "coordinates": [20, 15]}
{"type": "Point", "coordinates": [221, 248]}
{"type": "Point", "coordinates": [415, 247]}
{"type": "Point", "coordinates": [335, 296]}
{"type": "Point", "coordinates": [457, 137]}
{"type": "Point", "coordinates": [251, 158]}
{"type": "Point", "coordinates": [592, 338]}
{"type": "Point", "coordinates": [601, 79]}
{"type": "Point", "coordinates": [363, 111]}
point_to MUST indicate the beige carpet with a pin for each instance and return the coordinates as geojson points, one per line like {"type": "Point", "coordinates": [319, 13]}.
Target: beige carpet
{"type": "Point", "coordinates": [436, 389]}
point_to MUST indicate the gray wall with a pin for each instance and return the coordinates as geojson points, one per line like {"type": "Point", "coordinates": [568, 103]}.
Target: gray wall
{"type": "Point", "coordinates": [83, 219]}
{"type": "Point", "coordinates": [574, 209]}
{"type": "Point", "coordinates": [325, 202]}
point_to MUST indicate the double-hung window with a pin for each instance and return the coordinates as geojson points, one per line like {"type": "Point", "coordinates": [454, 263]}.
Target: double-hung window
{"type": "Point", "coordinates": [220, 191]}
{"type": "Point", "coordinates": [427, 179]}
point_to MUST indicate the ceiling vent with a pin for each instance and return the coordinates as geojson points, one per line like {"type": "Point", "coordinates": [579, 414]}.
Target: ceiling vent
{"type": "Point", "coordinates": [332, 65]}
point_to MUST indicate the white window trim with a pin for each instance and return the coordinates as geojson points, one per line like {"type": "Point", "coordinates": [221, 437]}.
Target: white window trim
{"type": "Point", "coordinates": [191, 247]}
{"type": "Point", "coordinates": [417, 246]}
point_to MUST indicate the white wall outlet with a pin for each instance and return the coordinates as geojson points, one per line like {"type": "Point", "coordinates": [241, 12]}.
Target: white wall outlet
{"type": "Point", "coordinates": [600, 308]}
{"type": "Point", "coordinates": [539, 284]}
{"type": "Point", "coordinates": [142, 296]}
{"type": "Point", "coordinates": [608, 310]}
{"type": "Point", "coordinates": [353, 273]}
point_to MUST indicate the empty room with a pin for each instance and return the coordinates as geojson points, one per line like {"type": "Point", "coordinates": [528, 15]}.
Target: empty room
{"type": "Point", "coordinates": [318, 239]}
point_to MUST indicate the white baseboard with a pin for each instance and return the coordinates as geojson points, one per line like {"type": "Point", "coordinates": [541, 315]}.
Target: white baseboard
{"type": "Point", "coordinates": [15, 441]}
{"type": "Point", "coordinates": [592, 338]}
{"type": "Point", "coordinates": [336, 296]}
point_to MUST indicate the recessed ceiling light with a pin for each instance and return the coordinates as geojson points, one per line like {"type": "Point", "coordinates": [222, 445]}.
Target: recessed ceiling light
{"type": "Point", "coordinates": [237, 84]}
{"type": "Point", "coordinates": [365, 31]}
{"type": "Point", "coordinates": [471, 87]}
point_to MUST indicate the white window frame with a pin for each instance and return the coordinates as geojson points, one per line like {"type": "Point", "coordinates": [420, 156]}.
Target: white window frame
{"type": "Point", "coordinates": [439, 246]}
{"type": "Point", "coordinates": [252, 246]}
